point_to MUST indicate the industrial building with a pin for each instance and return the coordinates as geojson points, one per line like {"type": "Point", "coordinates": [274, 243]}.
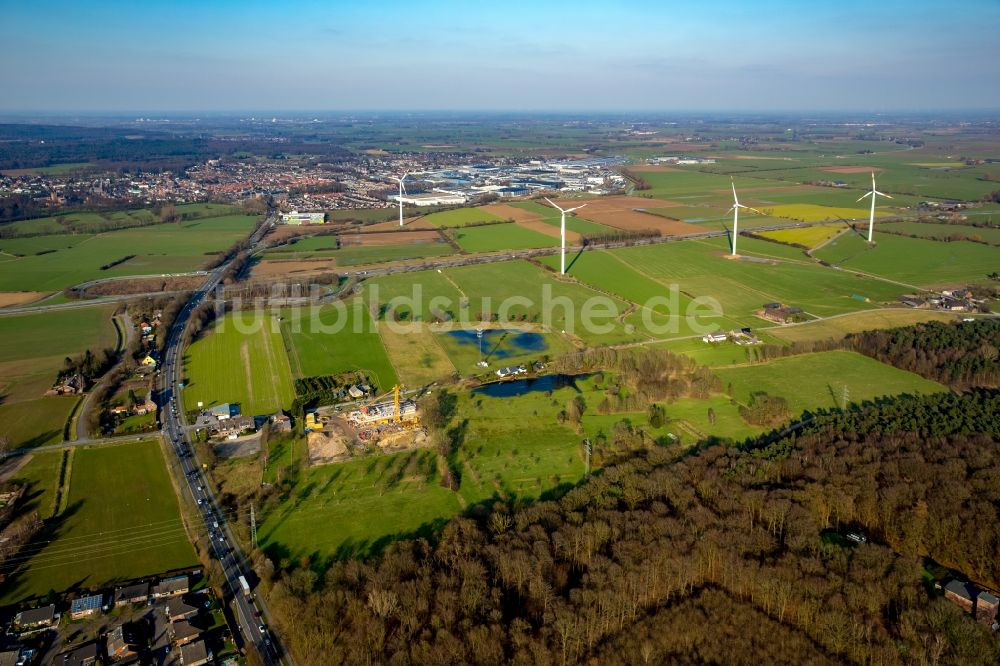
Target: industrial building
{"type": "Point", "coordinates": [297, 218]}
{"type": "Point", "coordinates": [431, 199]}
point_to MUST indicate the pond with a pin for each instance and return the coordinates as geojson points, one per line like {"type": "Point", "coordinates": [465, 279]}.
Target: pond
{"type": "Point", "coordinates": [501, 343]}
{"type": "Point", "coordinates": [516, 387]}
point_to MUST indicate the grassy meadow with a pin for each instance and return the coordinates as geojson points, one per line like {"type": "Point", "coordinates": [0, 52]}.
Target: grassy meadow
{"type": "Point", "coordinates": [241, 360]}
{"type": "Point", "coordinates": [32, 349]}
{"type": "Point", "coordinates": [120, 521]}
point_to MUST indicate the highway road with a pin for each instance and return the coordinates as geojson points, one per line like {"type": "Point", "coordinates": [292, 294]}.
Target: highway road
{"type": "Point", "coordinates": [249, 610]}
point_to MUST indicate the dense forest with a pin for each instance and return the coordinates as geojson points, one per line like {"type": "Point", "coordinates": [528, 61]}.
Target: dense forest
{"type": "Point", "coordinates": [726, 554]}
{"type": "Point", "coordinates": [962, 354]}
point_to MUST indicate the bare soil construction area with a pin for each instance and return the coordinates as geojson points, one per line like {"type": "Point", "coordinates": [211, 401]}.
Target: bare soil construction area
{"type": "Point", "coordinates": [329, 445]}
{"type": "Point", "coordinates": [390, 238]}
{"type": "Point", "coordinates": [270, 268]}
{"type": "Point", "coordinates": [624, 212]}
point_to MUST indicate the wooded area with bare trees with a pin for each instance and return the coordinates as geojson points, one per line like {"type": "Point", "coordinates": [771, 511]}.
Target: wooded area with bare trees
{"type": "Point", "coordinates": [740, 546]}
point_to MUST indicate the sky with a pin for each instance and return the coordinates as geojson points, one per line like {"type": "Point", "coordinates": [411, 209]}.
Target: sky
{"type": "Point", "coordinates": [499, 55]}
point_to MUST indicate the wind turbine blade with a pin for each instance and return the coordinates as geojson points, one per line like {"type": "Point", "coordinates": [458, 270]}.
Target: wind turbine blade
{"type": "Point", "coordinates": [754, 210]}
{"type": "Point", "coordinates": [733, 183]}
{"type": "Point", "coordinates": [554, 205]}
{"type": "Point", "coordinates": [570, 210]}
{"type": "Point", "coordinates": [882, 194]}
{"type": "Point", "coordinates": [865, 195]}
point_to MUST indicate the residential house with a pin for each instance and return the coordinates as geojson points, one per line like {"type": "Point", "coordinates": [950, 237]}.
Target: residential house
{"type": "Point", "coordinates": [121, 642]}
{"type": "Point", "coordinates": [183, 632]}
{"type": "Point", "coordinates": [171, 587]}
{"type": "Point", "coordinates": [281, 423]}
{"type": "Point", "coordinates": [36, 617]}
{"type": "Point", "coordinates": [81, 656]}
{"type": "Point", "coordinates": [149, 360]}
{"type": "Point", "coordinates": [181, 609]}
{"type": "Point", "coordinates": [85, 606]}
{"type": "Point", "coordinates": [195, 654]}
{"type": "Point", "coordinates": [237, 425]}
{"type": "Point", "coordinates": [986, 608]}
{"type": "Point", "coordinates": [119, 410]}
{"type": "Point", "coordinates": [147, 406]}
{"type": "Point", "coordinates": [132, 594]}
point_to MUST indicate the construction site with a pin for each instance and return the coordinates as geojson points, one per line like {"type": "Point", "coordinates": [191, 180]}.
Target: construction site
{"type": "Point", "coordinates": [386, 425]}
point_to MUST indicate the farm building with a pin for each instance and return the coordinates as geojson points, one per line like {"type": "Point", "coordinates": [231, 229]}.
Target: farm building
{"type": "Point", "coordinates": [281, 422]}
{"type": "Point", "coordinates": [714, 337]}
{"type": "Point", "coordinates": [224, 411]}
{"type": "Point", "coordinates": [132, 594]}
{"type": "Point", "coordinates": [171, 587]}
{"type": "Point", "coordinates": [297, 218]}
{"type": "Point", "coordinates": [783, 314]}
{"type": "Point", "coordinates": [36, 617]}
{"type": "Point", "coordinates": [85, 606]}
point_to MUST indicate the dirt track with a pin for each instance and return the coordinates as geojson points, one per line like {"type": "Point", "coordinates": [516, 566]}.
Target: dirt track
{"type": "Point", "coordinates": [390, 238]}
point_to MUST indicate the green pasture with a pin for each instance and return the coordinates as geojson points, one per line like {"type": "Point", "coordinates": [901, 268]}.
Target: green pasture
{"type": "Point", "coordinates": [354, 508]}
{"type": "Point", "coordinates": [460, 217]}
{"type": "Point", "coordinates": [161, 248]}
{"type": "Point", "coordinates": [741, 286]}
{"type": "Point", "coordinates": [121, 521]}
{"type": "Point", "coordinates": [500, 237]}
{"type": "Point", "coordinates": [915, 261]}
{"type": "Point", "coordinates": [242, 360]}
{"type": "Point", "coordinates": [940, 231]}
{"type": "Point", "coordinates": [336, 338]}
{"type": "Point", "coordinates": [811, 381]}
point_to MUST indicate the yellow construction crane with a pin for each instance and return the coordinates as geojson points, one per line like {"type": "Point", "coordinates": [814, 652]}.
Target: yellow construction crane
{"type": "Point", "coordinates": [399, 416]}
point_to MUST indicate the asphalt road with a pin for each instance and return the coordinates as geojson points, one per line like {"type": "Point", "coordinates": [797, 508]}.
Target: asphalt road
{"type": "Point", "coordinates": [248, 609]}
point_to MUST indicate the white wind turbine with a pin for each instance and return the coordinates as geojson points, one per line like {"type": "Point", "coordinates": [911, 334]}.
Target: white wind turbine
{"type": "Point", "coordinates": [874, 193]}
{"type": "Point", "coordinates": [736, 214]}
{"type": "Point", "coordinates": [402, 191]}
{"type": "Point", "coordinates": [562, 233]}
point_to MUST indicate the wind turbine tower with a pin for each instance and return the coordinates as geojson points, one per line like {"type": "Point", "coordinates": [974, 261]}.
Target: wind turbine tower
{"type": "Point", "coordinates": [736, 215]}
{"type": "Point", "coordinates": [402, 191]}
{"type": "Point", "coordinates": [562, 234]}
{"type": "Point", "coordinates": [874, 193]}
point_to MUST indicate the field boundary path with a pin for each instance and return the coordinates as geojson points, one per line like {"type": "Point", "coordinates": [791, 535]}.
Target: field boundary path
{"type": "Point", "coordinates": [81, 413]}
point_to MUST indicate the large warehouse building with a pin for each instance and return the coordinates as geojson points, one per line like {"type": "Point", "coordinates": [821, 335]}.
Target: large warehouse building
{"type": "Point", "coordinates": [296, 217]}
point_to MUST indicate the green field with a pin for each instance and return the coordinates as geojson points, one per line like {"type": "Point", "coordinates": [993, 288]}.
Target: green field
{"type": "Point", "coordinates": [817, 380]}
{"type": "Point", "coordinates": [332, 340]}
{"type": "Point", "coordinates": [352, 255]}
{"type": "Point", "coordinates": [701, 269]}
{"type": "Point", "coordinates": [121, 521]}
{"type": "Point", "coordinates": [161, 248]}
{"type": "Point", "coordinates": [939, 231]}
{"type": "Point", "coordinates": [460, 217]}
{"type": "Point", "coordinates": [500, 237]}
{"type": "Point", "coordinates": [76, 223]}
{"type": "Point", "coordinates": [915, 261]}
{"type": "Point", "coordinates": [241, 360]}
{"type": "Point", "coordinates": [813, 213]}
{"type": "Point", "coordinates": [32, 349]}
{"type": "Point", "coordinates": [360, 504]}
{"type": "Point", "coordinates": [808, 237]}
{"type": "Point", "coordinates": [552, 217]}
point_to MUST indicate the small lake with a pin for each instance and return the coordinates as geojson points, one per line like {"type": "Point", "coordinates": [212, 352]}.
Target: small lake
{"type": "Point", "coordinates": [501, 343]}
{"type": "Point", "coordinates": [516, 387]}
